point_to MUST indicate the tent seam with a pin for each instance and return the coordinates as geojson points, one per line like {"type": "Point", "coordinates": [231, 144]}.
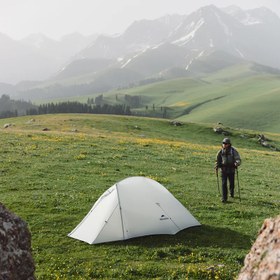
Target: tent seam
{"type": "Point", "coordinates": [120, 207]}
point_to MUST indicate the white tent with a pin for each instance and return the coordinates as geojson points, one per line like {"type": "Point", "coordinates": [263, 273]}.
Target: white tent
{"type": "Point", "coordinates": [133, 207]}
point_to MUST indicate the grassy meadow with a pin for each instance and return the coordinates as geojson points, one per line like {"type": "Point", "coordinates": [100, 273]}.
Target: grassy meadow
{"type": "Point", "coordinates": [239, 96]}
{"type": "Point", "coordinates": [52, 178]}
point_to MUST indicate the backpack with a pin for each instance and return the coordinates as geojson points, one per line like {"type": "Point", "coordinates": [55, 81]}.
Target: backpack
{"type": "Point", "coordinates": [228, 157]}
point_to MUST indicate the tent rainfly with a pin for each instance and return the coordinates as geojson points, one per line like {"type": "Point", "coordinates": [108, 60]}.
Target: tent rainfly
{"type": "Point", "coordinates": [133, 207]}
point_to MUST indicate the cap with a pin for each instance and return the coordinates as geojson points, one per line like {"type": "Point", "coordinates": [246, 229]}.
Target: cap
{"type": "Point", "coordinates": [226, 141]}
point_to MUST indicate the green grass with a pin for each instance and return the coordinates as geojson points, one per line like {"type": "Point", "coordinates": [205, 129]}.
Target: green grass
{"type": "Point", "coordinates": [51, 180]}
{"type": "Point", "coordinates": [239, 96]}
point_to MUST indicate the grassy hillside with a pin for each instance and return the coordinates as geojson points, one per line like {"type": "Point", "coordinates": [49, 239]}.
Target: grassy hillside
{"type": "Point", "coordinates": [244, 96]}
{"type": "Point", "coordinates": [52, 178]}
{"type": "Point", "coordinates": [238, 94]}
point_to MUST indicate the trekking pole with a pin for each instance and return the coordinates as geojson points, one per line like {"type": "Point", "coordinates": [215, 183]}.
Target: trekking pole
{"type": "Point", "coordinates": [238, 184]}
{"type": "Point", "coordinates": [218, 181]}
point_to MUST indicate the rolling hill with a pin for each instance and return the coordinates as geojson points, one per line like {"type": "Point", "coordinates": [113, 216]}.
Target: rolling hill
{"type": "Point", "coordinates": [244, 95]}
{"type": "Point", "coordinates": [214, 65]}
{"type": "Point", "coordinates": [170, 47]}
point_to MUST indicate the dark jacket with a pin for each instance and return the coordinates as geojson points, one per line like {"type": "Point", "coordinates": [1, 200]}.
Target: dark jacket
{"type": "Point", "coordinates": [228, 159]}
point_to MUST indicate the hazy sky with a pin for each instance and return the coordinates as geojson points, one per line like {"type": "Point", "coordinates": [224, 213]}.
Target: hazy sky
{"type": "Point", "coordinates": [55, 18]}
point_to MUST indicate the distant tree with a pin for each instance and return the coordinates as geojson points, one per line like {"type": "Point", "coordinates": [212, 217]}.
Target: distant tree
{"type": "Point", "coordinates": [164, 115]}
{"type": "Point", "coordinates": [99, 100]}
{"type": "Point", "coordinates": [8, 114]}
{"type": "Point", "coordinates": [90, 101]}
{"type": "Point", "coordinates": [13, 108]}
{"type": "Point", "coordinates": [76, 107]}
{"type": "Point", "coordinates": [133, 101]}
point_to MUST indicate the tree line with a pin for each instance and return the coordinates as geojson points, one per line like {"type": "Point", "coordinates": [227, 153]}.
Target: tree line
{"type": "Point", "coordinates": [12, 108]}
{"type": "Point", "coordinates": [77, 107]}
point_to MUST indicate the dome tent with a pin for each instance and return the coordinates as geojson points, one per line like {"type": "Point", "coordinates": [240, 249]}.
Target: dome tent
{"type": "Point", "coordinates": [133, 207]}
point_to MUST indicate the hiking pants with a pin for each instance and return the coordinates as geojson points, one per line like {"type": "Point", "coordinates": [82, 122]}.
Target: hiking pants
{"type": "Point", "coordinates": [227, 177]}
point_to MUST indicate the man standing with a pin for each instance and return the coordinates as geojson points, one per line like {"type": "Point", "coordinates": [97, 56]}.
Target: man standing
{"type": "Point", "coordinates": [227, 160]}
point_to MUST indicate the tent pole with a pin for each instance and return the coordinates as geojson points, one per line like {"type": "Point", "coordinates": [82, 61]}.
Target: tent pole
{"type": "Point", "coordinates": [120, 207]}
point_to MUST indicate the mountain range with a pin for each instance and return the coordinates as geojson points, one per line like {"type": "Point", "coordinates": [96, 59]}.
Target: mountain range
{"type": "Point", "coordinates": [173, 46]}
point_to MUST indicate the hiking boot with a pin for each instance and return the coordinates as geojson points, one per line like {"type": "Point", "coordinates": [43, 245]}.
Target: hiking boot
{"type": "Point", "coordinates": [224, 201]}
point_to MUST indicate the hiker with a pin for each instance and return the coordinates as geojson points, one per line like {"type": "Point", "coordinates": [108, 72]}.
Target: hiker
{"type": "Point", "coordinates": [227, 160]}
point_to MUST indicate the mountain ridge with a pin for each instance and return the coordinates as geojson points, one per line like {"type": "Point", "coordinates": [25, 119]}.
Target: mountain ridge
{"type": "Point", "coordinates": [169, 47]}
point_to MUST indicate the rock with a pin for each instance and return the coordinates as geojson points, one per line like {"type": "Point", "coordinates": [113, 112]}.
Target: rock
{"type": "Point", "coordinates": [30, 121]}
{"type": "Point", "coordinates": [262, 138]}
{"type": "Point", "coordinates": [16, 260]}
{"type": "Point", "coordinates": [220, 130]}
{"type": "Point", "coordinates": [263, 261]}
{"type": "Point", "coordinates": [6, 125]}
{"type": "Point", "coordinates": [176, 123]}
{"type": "Point", "coordinates": [264, 142]}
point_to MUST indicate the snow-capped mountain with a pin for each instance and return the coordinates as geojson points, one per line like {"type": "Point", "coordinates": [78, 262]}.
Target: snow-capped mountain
{"type": "Point", "coordinates": [151, 47]}
{"type": "Point", "coordinates": [173, 46]}
{"type": "Point", "coordinates": [254, 16]}
{"type": "Point", "coordinates": [140, 35]}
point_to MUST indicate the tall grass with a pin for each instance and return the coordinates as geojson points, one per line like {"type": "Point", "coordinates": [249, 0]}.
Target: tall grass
{"type": "Point", "coordinates": [52, 178]}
